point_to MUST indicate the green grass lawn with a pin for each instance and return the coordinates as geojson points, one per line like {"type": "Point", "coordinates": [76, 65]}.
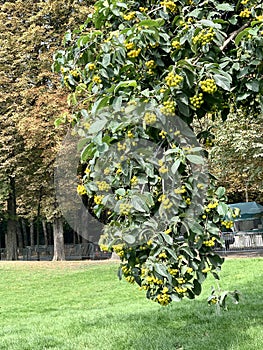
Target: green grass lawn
{"type": "Point", "coordinates": [52, 305]}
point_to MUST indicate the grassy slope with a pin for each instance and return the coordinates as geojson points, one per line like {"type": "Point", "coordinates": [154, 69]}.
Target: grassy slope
{"type": "Point", "coordinates": [84, 306]}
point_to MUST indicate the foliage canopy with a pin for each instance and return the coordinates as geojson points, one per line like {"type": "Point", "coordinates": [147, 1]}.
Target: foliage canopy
{"type": "Point", "coordinates": [137, 71]}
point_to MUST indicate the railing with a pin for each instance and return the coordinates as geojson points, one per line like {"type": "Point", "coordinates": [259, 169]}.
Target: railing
{"type": "Point", "coordinates": [72, 252]}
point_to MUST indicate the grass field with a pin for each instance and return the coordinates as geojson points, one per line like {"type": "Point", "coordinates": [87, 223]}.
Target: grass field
{"type": "Point", "coordinates": [82, 305]}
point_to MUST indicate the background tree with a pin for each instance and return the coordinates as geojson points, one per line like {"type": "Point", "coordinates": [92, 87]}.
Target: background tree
{"type": "Point", "coordinates": [30, 101]}
{"type": "Point", "coordinates": [236, 157]}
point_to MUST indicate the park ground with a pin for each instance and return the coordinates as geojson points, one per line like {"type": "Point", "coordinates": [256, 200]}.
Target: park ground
{"type": "Point", "coordinates": [82, 305]}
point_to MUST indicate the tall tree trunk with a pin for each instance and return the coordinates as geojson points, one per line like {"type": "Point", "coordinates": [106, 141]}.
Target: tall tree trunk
{"type": "Point", "coordinates": [44, 225]}
{"type": "Point", "coordinates": [11, 239]}
{"type": "Point", "coordinates": [59, 251]}
{"type": "Point", "coordinates": [32, 238]}
{"type": "Point", "coordinates": [24, 232]}
{"type": "Point", "coordinates": [19, 235]}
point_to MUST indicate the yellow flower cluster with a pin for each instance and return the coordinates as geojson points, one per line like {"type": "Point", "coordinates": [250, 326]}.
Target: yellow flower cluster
{"type": "Point", "coordinates": [172, 272]}
{"type": "Point", "coordinates": [149, 118]}
{"type": "Point", "coordinates": [121, 146]}
{"type": "Point", "coordinates": [134, 181]}
{"type": "Point", "coordinates": [167, 204]}
{"type": "Point", "coordinates": [211, 205]}
{"type": "Point", "coordinates": [162, 255]}
{"type": "Point", "coordinates": [210, 242]}
{"type": "Point", "coordinates": [168, 108]}
{"type": "Point", "coordinates": [163, 298]}
{"type": "Point", "coordinates": [74, 73]}
{"type": "Point", "coordinates": [96, 79]}
{"type": "Point", "coordinates": [180, 280]}
{"type": "Point", "coordinates": [188, 201]}
{"type": "Point", "coordinates": [163, 169]}
{"type": "Point", "coordinates": [245, 13]}
{"type": "Point", "coordinates": [103, 186]}
{"type": "Point", "coordinates": [104, 247]}
{"type": "Point", "coordinates": [130, 134]}
{"type": "Point", "coordinates": [176, 44]}
{"type": "Point", "coordinates": [129, 46]}
{"type": "Point", "coordinates": [214, 300]}
{"type": "Point", "coordinates": [189, 270]}
{"type": "Point", "coordinates": [197, 100]}
{"type": "Point", "coordinates": [98, 199]}
{"type": "Point", "coordinates": [180, 190]}
{"type": "Point", "coordinates": [163, 134]}
{"type": "Point", "coordinates": [227, 224]}
{"type": "Point", "coordinates": [106, 171]}
{"type": "Point", "coordinates": [207, 269]}
{"type": "Point", "coordinates": [150, 64]}
{"type": "Point", "coordinates": [130, 279]}
{"type": "Point", "coordinates": [208, 86]}
{"type": "Point", "coordinates": [143, 9]}
{"type": "Point", "coordinates": [129, 16]}
{"type": "Point", "coordinates": [134, 53]}
{"type": "Point", "coordinates": [170, 5]}
{"type": "Point", "coordinates": [204, 36]}
{"type": "Point", "coordinates": [168, 231]}
{"type": "Point", "coordinates": [244, 2]}
{"type": "Point", "coordinates": [87, 170]}
{"type": "Point", "coordinates": [118, 248]}
{"type": "Point", "coordinates": [81, 190]}
{"type": "Point", "coordinates": [119, 169]}
{"type": "Point", "coordinates": [259, 18]}
{"type": "Point", "coordinates": [125, 208]}
{"type": "Point", "coordinates": [91, 66]}
{"type": "Point", "coordinates": [180, 290]}
{"type": "Point", "coordinates": [173, 80]}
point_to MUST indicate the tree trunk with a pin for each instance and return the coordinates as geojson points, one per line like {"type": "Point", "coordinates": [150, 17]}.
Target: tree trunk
{"type": "Point", "coordinates": [11, 239]}
{"type": "Point", "coordinates": [32, 239]}
{"type": "Point", "coordinates": [59, 251]}
{"type": "Point", "coordinates": [19, 235]}
{"type": "Point", "coordinates": [44, 225]}
{"type": "Point", "coordinates": [24, 231]}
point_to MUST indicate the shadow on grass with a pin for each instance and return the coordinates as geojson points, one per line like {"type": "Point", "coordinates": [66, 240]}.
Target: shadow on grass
{"type": "Point", "coordinates": [189, 325]}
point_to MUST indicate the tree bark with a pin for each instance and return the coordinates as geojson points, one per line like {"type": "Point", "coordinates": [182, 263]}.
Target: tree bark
{"type": "Point", "coordinates": [24, 231]}
{"type": "Point", "coordinates": [32, 239]}
{"type": "Point", "coordinates": [44, 225]}
{"type": "Point", "coordinates": [59, 251]}
{"type": "Point", "coordinates": [19, 235]}
{"type": "Point", "coordinates": [11, 239]}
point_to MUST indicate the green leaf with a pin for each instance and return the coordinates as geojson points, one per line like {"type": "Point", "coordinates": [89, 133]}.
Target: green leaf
{"type": "Point", "coordinates": [125, 84]}
{"type": "Point", "coordinates": [197, 287]}
{"type": "Point", "coordinates": [222, 209]}
{"type": "Point", "coordinates": [240, 36]}
{"type": "Point", "coordinates": [161, 270]}
{"type": "Point", "coordinates": [222, 81]}
{"type": "Point", "coordinates": [102, 102]}
{"type": "Point", "coordinates": [139, 205]}
{"type": "Point", "coordinates": [129, 239]}
{"type": "Point", "coordinates": [87, 152]}
{"type": "Point", "coordinates": [175, 166]}
{"type": "Point", "coordinates": [220, 192]}
{"type": "Point", "coordinates": [151, 22]}
{"type": "Point", "coordinates": [106, 60]}
{"type": "Point", "coordinates": [253, 85]}
{"type": "Point", "coordinates": [97, 126]}
{"type": "Point", "coordinates": [195, 159]}
{"type": "Point", "coordinates": [225, 7]}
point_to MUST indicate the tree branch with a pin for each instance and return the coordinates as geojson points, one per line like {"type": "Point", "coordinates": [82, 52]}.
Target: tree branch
{"type": "Point", "coordinates": [233, 35]}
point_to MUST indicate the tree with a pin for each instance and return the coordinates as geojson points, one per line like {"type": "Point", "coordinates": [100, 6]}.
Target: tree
{"type": "Point", "coordinates": [139, 71]}
{"type": "Point", "coordinates": [30, 101]}
{"type": "Point", "coordinates": [236, 157]}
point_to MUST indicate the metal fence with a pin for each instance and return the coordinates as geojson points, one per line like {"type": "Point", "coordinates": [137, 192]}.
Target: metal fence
{"type": "Point", "coordinates": [238, 242]}
{"type": "Point", "coordinates": [72, 252]}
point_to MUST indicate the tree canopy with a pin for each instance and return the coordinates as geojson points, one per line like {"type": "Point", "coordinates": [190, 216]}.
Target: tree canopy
{"type": "Point", "coordinates": [147, 71]}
